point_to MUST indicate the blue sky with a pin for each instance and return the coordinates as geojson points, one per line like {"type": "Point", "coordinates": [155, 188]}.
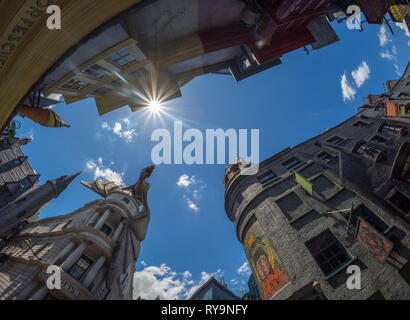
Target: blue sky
{"type": "Point", "coordinates": [190, 236]}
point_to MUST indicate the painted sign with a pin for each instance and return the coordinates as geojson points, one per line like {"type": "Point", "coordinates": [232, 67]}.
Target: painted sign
{"type": "Point", "coordinates": [21, 24]}
{"type": "Point", "coordinates": [269, 272]}
{"type": "Point", "coordinates": [397, 11]}
{"type": "Point", "coordinates": [373, 240]}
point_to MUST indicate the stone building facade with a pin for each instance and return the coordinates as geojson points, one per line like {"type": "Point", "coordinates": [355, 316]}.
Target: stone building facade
{"type": "Point", "coordinates": [299, 243]}
{"type": "Point", "coordinates": [94, 248]}
{"type": "Point", "coordinates": [17, 180]}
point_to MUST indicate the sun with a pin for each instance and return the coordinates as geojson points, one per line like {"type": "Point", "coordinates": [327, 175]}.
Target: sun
{"type": "Point", "coordinates": [155, 106]}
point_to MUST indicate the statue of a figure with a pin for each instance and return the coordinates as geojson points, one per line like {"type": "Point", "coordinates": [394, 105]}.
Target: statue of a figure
{"type": "Point", "coordinates": [135, 228]}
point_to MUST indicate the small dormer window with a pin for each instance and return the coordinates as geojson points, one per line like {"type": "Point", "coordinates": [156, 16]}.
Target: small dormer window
{"type": "Point", "coordinates": [325, 156]}
{"type": "Point", "coordinates": [379, 139]}
{"type": "Point", "coordinates": [369, 151]}
{"type": "Point", "coordinates": [361, 124]}
{"type": "Point", "coordinates": [392, 129]}
{"type": "Point", "coordinates": [336, 140]}
{"type": "Point", "coordinates": [126, 200]}
{"type": "Point", "coordinates": [96, 71]}
{"type": "Point", "coordinates": [267, 177]}
{"type": "Point", "coordinates": [292, 163]}
{"type": "Point", "coordinates": [121, 58]}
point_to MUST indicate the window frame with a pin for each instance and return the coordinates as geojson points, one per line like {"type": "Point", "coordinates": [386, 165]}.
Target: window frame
{"type": "Point", "coordinates": [328, 153]}
{"type": "Point", "coordinates": [106, 227]}
{"type": "Point", "coordinates": [401, 129]}
{"type": "Point", "coordinates": [301, 163]}
{"type": "Point", "coordinates": [397, 191]}
{"type": "Point", "coordinates": [114, 61]}
{"type": "Point", "coordinates": [84, 271]}
{"type": "Point", "coordinates": [337, 144]}
{"type": "Point", "coordinates": [357, 213]}
{"type": "Point", "coordinates": [376, 139]}
{"type": "Point", "coordinates": [366, 124]}
{"type": "Point", "coordinates": [338, 243]}
{"type": "Point", "coordinates": [269, 172]}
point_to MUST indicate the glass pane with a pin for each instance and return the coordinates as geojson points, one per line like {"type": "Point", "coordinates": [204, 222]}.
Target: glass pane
{"type": "Point", "coordinates": [114, 57]}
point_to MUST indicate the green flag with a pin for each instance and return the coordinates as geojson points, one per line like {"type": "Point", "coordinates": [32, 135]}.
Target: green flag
{"type": "Point", "coordinates": [303, 182]}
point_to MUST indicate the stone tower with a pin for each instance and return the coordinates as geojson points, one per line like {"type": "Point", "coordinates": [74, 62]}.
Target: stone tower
{"type": "Point", "coordinates": [93, 248]}
{"type": "Point", "coordinates": [338, 200]}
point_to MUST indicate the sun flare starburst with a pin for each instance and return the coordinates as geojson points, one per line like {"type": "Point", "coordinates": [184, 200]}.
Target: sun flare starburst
{"type": "Point", "coordinates": [154, 106]}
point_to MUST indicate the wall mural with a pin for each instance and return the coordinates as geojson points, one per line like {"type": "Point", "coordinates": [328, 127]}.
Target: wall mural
{"type": "Point", "coordinates": [266, 266]}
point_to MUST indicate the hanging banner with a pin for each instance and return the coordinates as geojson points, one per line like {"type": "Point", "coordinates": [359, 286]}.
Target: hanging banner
{"type": "Point", "coordinates": [373, 240]}
{"type": "Point", "coordinates": [308, 186]}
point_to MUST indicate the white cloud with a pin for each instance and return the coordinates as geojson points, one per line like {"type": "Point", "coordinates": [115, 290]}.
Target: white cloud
{"type": "Point", "coordinates": [244, 269]}
{"type": "Point", "coordinates": [383, 39]}
{"type": "Point", "coordinates": [361, 74]}
{"type": "Point", "coordinates": [99, 170]}
{"type": "Point", "coordinates": [185, 181]}
{"type": "Point", "coordinates": [191, 195]}
{"type": "Point", "coordinates": [387, 55]}
{"type": "Point", "coordinates": [54, 96]}
{"type": "Point", "coordinates": [162, 281]}
{"type": "Point", "coordinates": [348, 91]}
{"type": "Point", "coordinates": [127, 133]}
{"type": "Point", "coordinates": [204, 277]}
{"type": "Point", "coordinates": [192, 205]}
{"type": "Point", "coordinates": [403, 26]}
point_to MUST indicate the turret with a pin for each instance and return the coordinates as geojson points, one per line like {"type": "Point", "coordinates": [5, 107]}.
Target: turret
{"type": "Point", "coordinates": [25, 207]}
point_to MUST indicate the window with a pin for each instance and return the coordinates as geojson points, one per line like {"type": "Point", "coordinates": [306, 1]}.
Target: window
{"type": "Point", "coordinates": [401, 201]}
{"type": "Point", "coordinates": [336, 140]}
{"type": "Point", "coordinates": [96, 71]}
{"type": "Point", "coordinates": [324, 156]}
{"type": "Point", "coordinates": [391, 129]}
{"type": "Point", "coordinates": [292, 163]}
{"type": "Point", "coordinates": [126, 200]}
{"type": "Point", "coordinates": [121, 58]}
{"type": "Point", "coordinates": [73, 84]}
{"type": "Point", "coordinates": [267, 176]}
{"type": "Point", "coordinates": [368, 151]}
{"type": "Point", "coordinates": [101, 91]}
{"type": "Point", "coordinates": [379, 139]}
{"type": "Point", "coordinates": [368, 215]}
{"type": "Point", "coordinates": [80, 267]}
{"type": "Point", "coordinates": [361, 124]}
{"type": "Point", "coordinates": [328, 252]}
{"type": "Point", "coordinates": [24, 184]}
{"type": "Point", "coordinates": [106, 229]}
